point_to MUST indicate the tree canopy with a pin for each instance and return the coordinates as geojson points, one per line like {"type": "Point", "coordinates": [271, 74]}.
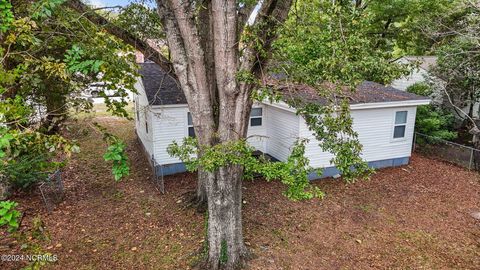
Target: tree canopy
{"type": "Point", "coordinates": [458, 64]}
{"type": "Point", "coordinates": [49, 54]}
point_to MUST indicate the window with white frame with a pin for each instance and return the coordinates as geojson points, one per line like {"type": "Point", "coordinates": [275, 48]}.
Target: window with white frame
{"type": "Point", "coordinates": [400, 125]}
{"type": "Point", "coordinates": [256, 117]}
{"type": "Point", "coordinates": [191, 130]}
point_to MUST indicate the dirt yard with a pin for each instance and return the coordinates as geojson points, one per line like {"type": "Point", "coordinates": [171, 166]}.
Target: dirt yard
{"type": "Point", "coordinates": [412, 217]}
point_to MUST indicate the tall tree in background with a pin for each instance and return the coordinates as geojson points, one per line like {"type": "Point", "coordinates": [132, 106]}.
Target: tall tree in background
{"type": "Point", "coordinates": [458, 62]}
{"type": "Point", "coordinates": [398, 26]}
{"type": "Point", "coordinates": [322, 41]}
{"type": "Point", "coordinates": [48, 55]}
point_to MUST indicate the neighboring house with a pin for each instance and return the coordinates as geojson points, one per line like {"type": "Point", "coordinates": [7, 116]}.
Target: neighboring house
{"type": "Point", "coordinates": [384, 118]}
{"type": "Point", "coordinates": [417, 75]}
{"type": "Point", "coordinates": [94, 90]}
{"type": "Point", "coordinates": [423, 74]}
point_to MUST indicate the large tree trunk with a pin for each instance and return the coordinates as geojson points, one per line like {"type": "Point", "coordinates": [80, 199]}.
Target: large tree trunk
{"type": "Point", "coordinates": [201, 197]}
{"type": "Point", "coordinates": [55, 107]}
{"type": "Point", "coordinates": [205, 49]}
{"type": "Point", "coordinates": [204, 43]}
{"type": "Point", "coordinates": [225, 234]}
{"type": "Point", "coordinates": [224, 187]}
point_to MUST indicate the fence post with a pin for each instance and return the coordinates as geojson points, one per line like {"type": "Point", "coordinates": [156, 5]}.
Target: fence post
{"type": "Point", "coordinates": [162, 183]}
{"type": "Point", "coordinates": [471, 159]}
{"type": "Point", "coordinates": [414, 140]}
{"type": "Point", "coordinates": [160, 186]}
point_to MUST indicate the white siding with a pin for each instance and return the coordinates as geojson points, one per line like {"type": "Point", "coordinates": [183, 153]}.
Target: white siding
{"type": "Point", "coordinates": [375, 131]}
{"type": "Point", "coordinates": [280, 128]}
{"type": "Point", "coordinates": [169, 124]}
{"type": "Point", "coordinates": [256, 135]}
{"type": "Point", "coordinates": [417, 75]}
{"type": "Point", "coordinates": [318, 158]}
{"type": "Point", "coordinates": [142, 109]}
{"type": "Point", "coordinates": [282, 132]}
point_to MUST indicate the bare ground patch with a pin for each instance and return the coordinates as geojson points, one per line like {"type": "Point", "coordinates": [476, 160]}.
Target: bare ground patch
{"type": "Point", "coordinates": [412, 217]}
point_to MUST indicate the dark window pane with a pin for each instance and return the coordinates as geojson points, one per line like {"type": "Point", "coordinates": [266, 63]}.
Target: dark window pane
{"type": "Point", "coordinates": [191, 132]}
{"type": "Point", "coordinates": [401, 117]}
{"type": "Point", "coordinates": [255, 122]}
{"type": "Point", "coordinates": [189, 117]}
{"type": "Point", "coordinates": [256, 112]}
{"type": "Point", "coordinates": [399, 132]}
{"type": "Point", "coordinates": [146, 126]}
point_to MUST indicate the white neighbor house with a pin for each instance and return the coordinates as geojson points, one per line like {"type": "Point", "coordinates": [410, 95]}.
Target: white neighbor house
{"type": "Point", "coordinates": [422, 74]}
{"type": "Point", "coordinates": [417, 75]}
{"type": "Point", "coordinates": [383, 117]}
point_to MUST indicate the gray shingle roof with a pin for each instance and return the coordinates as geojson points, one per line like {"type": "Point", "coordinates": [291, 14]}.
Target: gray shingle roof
{"type": "Point", "coordinates": [366, 92]}
{"type": "Point", "coordinates": [160, 88]}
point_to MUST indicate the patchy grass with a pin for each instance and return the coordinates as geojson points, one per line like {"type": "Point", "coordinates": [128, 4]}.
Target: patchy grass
{"type": "Point", "coordinates": [414, 217]}
{"type": "Point", "coordinates": [101, 110]}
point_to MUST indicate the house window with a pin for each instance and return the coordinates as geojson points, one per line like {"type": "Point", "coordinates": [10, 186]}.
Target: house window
{"type": "Point", "coordinates": [256, 117]}
{"type": "Point", "coordinates": [400, 124]}
{"type": "Point", "coordinates": [191, 131]}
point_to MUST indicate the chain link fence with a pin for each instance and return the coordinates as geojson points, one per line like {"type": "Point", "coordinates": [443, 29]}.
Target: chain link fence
{"type": "Point", "coordinates": [461, 155]}
{"type": "Point", "coordinates": [158, 176]}
{"type": "Point", "coordinates": [52, 190]}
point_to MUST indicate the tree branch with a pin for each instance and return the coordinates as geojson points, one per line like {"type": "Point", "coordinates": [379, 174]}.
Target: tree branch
{"type": "Point", "coordinates": [244, 14]}
{"type": "Point", "coordinates": [271, 14]}
{"type": "Point", "coordinates": [189, 63]}
{"type": "Point", "coordinates": [141, 45]}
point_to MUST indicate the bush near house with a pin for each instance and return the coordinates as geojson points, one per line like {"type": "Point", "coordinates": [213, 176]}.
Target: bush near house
{"type": "Point", "coordinates": [431, 119]}
{"type": "Point", "coordinates": [420, 88]}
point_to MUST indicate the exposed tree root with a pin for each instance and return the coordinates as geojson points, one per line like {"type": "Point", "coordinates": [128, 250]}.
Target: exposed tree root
{"type": "Point", "coordinates": [191, 200]}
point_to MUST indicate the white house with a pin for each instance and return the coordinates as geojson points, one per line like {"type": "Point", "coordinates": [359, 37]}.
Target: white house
{"type": "Point", "coordinates": [384, 118]}
{"type": "Point", "coordinates": [423, 74]}
{"type": "Point", "coordinates": [417, 75]}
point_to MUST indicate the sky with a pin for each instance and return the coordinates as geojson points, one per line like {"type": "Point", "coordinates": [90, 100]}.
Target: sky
{"type": "Point", "coordinates": [109, 3]}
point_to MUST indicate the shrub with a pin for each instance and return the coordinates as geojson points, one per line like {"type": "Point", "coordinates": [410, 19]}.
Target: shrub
{"type": "Point", "coordinates": [432, 120]}
{"type": "Point", "coordinates": [9, 216]}
{"type": "Point", "coordinates": [24, 171]}
{"type": "Point", "coordinates": [422, 89]}
{"type": "Point", "coordinates": [27, 157]}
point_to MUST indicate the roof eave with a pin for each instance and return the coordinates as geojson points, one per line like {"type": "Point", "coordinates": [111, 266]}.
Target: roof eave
{"type": "Point", "coordinates": [164, 106]}
{"type": "Point", "coordinates": [361, 106]}
{"type": "Point", "coordinates": [390, 104]}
